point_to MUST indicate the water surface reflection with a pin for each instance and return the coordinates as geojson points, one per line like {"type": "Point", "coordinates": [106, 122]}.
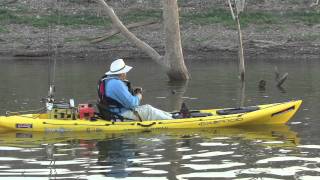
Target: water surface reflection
{"type": "Point", "coordinates": [277, 152]}
{"type": "Point", "coordinates": [166, 154]}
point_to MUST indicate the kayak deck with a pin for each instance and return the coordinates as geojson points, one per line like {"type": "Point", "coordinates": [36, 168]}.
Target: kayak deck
{"type": "Point", "coordinates": [278, 113]}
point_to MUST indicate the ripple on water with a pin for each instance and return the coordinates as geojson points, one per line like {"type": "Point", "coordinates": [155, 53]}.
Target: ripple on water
{"type": "Point", "coordinates": [34, 172]}
{"type": "Point", "coordinates": [183, 149]}
{"type": "Point", "coordinates": [309, 177]}
{"type": "Point", "coordinates": [213, 144]}
{"type": "Point", "coordinates": [287, 158]}
{"type": "Point", "coordinates": [309, 146]}
{"type": "Point", "coordinates": [57, 163]}
{"type": "Point", "coordinates": [286, 171]}
{"type": "Point", "coordinates": [144, 160]}
{"type": "Point", "coordinates": [155, 172]}
{"type": "Point", "coordinates": [273, 142]}
{"type": "Point", "coordinates": [98, 177]}
{"type": "Point", "coordinates": [157, 164]}
{"type": "Point", "coordinates": [7, 148]}
{"type": "Point", "coordinates": [208, 154]}
{"type": "Point", "coordinates": [212, 166]}
{"type": "Point", "coordinates": [224, 174]}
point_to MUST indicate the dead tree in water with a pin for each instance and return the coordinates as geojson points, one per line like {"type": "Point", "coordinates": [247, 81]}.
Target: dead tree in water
{"type": "Point", "coordinates": [172, 61]}
{"type": "Point", "coordinates": [280, 79]}
{"type": "Point", "coordinates": [238, 6]}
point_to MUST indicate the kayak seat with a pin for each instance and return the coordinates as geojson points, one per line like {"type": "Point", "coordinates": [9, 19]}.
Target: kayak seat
{"type": "Point", "coordinates": [106, 114]}
{"type": "Point", "coordinates": [199, 114]}
{"type": "Point", "coordinates": [192, 114]}
{"type": "Point", "coordinates": [229, 111]}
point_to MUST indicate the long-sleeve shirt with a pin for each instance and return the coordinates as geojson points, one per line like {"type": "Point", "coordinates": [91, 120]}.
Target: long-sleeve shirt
{"type": "Point", "coordinates": [117, 90]}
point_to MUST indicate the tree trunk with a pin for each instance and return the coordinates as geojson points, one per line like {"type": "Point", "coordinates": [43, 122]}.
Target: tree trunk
{"type": "Point", "coordinates": [242, 94]}
{"type": "Point", "coordinates": [173, 61]}
{"type": "Point", "coordinates": [241, 56]}
{"type": "Point", "coordinates": [174, 55]}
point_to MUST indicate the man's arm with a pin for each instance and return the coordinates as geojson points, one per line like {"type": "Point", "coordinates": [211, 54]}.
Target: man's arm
{"type": "Point", "coordinates": [120, 93]}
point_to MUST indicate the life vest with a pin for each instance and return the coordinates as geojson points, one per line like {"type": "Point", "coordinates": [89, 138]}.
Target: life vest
{"type": "Point", "coordinates": [103, 97]}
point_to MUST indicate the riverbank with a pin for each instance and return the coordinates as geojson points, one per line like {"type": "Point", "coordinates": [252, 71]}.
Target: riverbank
{"type": "Point", "coordinates": [66, 28]}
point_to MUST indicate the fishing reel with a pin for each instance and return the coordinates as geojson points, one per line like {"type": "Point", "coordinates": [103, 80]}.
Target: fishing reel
{"type": "Point", "coordinates": [49, 99]}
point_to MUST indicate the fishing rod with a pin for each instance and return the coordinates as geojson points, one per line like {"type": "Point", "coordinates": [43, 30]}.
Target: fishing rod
{"type": "Point", "coordinates": [52, 53]}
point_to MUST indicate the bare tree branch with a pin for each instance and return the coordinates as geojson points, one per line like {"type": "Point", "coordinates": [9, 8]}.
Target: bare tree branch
{"type": "Point", "coordinates": [117, 31]}
{"type": "Point", "coordinates": [239, 5]}
{"type": "Point", "coordinates": [131, 37]}
{"type": "Point", "coordinates": [282, 79]}
{"type": "Point", "coordinates": [231, 9]}
{"type": "Point", "coordinates": [315, 3]}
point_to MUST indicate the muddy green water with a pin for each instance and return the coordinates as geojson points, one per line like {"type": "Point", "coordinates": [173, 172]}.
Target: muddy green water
{"type": "Point", "coordinates": [276, 152]}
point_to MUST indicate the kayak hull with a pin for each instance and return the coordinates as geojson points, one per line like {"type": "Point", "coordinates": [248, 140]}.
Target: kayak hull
{"type": "Point", "coordinates": [269, 114]}
{"type": "Point", "coordinates": [271, 134]}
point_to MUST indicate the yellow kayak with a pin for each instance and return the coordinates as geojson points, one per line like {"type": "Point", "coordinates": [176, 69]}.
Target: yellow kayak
{"type": "Point", "coordinates": [269, 114]}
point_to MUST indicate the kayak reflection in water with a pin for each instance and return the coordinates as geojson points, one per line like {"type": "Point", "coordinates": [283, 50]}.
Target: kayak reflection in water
{"type": "Point", "coordinates": [116, 98]}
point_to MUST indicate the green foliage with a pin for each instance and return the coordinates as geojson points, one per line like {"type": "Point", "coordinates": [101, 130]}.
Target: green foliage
{"type": "Point", "coordinates": [12, 17]}
{"type": "Point", "coordinates": [4, 30]}
{"type": "Point", "coordinates": [212, 16]}
{"type": "Point", "coordinates": [141, 15]}
{"type": "Point", "coordinates": [22, 15]}
{"type": "Point", "coordinates": [116, 39]}
{"type": "Point", "coordinates": [76, 39]}
{"type": "Point", "coordinates": [306, 17]}
{"type": "Point", "coordinates": [223, 16]}
{"type": "Point", "coordinates": [260, 18]}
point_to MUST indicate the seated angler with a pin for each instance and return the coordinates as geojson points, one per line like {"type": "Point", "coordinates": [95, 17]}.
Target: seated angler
{"type": "Point", "coordinates": [116, 95]}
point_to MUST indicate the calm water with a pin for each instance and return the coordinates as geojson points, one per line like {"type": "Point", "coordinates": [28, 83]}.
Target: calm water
{"type": "Point", "coordinates": [271, 152]}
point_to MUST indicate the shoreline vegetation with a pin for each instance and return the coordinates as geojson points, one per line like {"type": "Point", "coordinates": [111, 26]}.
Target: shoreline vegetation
{"type": "Point", "coordinates": [68, 27]}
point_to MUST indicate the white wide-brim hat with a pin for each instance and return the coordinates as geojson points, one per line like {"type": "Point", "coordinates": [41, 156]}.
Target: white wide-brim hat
{"type": "Point", "coordinates": [118, 67]}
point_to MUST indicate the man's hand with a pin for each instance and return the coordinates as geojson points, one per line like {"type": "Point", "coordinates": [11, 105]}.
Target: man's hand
{"type": "Point", "coordinates": [139, 95]}
{"type": "Point", "coordinates": [137, 90]}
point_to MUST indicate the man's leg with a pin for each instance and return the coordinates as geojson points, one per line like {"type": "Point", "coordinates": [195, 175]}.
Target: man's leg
{"type": "Point", "coordinates": [147, 112]}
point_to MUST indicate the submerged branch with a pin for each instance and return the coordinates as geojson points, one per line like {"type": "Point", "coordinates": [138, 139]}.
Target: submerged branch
{"type": "Point", "coordinates": [282, 79]}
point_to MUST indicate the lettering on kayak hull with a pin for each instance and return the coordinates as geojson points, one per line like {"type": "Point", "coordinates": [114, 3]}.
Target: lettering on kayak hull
{"type": "Point", "coordinates": [57, 130]}
{"type": "Point", "coordinates": [23, 126]}
{"type": "Point", "coordinates": [94, 130]}
{"type": "Point", "coordinates": [220, 121]}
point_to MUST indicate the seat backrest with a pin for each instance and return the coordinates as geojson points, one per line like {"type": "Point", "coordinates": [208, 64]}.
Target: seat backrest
{"type": "Point", "coordinates": [106, 114]}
